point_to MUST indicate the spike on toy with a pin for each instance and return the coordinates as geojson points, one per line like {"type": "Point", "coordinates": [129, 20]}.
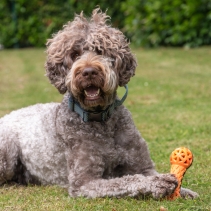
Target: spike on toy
{"type": "Point", "coordinates": [181, 159]}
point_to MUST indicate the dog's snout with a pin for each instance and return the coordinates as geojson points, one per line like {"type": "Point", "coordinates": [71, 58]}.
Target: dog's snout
{"type": "Point", "coordinates": [89, 72]}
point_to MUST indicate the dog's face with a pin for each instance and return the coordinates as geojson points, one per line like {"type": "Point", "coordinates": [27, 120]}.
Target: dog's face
{"type": "Point", "coordinates": [92, 80]}
{"type": "Point", "coordinates": [89, 59]}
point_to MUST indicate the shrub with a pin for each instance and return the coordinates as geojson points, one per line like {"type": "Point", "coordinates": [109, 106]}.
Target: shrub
{"type": "Point", "coordinates": [146, 22]}
{"type": "Point", "coordinates": [168, 23]}
{"type": "Point", "coordinates": [29, 23]}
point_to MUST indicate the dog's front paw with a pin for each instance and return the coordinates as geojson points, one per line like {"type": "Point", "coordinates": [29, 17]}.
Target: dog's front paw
{"type": "Point", "coordinates": [187, 193]}
{"type": "Point", "coordinates": [163, 185]}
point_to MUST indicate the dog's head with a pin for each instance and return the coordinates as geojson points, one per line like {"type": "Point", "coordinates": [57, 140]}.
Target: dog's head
{"type": "Point", "coordinates": [90, 59]}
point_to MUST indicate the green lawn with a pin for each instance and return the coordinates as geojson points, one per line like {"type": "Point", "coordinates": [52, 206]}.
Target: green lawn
{"type": "Point", "coordinates": [170, 100]}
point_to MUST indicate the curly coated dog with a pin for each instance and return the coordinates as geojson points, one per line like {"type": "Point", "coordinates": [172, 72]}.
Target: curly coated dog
{"type": "Point", "coordinates": [88, 143]}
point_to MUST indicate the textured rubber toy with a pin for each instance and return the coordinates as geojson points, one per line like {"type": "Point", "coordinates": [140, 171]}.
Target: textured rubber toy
{"type": "Point", "coordinates": [181, 159]}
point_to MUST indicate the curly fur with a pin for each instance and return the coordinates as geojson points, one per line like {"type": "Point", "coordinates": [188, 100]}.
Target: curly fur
{"type": "Point", "coordinates": [49, 144]}
{"type": "Point", "coordinates": [82, 35]}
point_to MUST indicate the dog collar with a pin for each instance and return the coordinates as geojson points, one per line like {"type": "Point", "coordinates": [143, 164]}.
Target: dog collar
{"type": "Point", "coordinates": [100, 116]}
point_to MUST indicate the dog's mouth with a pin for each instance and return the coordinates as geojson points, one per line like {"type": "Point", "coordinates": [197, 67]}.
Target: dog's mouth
{"type": "Point", "coordinates": [92, 93]}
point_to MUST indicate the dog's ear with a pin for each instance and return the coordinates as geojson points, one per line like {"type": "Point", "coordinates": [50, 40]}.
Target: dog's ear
{"type": "Point", "coordinates": [57, 63]}
{"type": "Point", "coordinates": [63, 49]}
{"type": "Point", "coordinates": [112, 43]}
{"type": "Point", "coordinates": [124, 60]}
{"type": "Point", "coordinates": [126, 67]}
{"type": "Point", "coordinates": [61, 52]}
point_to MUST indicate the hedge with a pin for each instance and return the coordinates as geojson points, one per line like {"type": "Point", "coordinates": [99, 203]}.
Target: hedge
{"type": "Point", "coordinates": [168, 22]}
{"type": "Point", "coordinates": [147, 23]}
{"type": "Point", "coordinates": [26, 23]}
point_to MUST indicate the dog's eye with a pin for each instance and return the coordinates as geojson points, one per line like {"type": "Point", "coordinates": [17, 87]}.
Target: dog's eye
{"type": "Point", "coordinates": [74, 56]}
{"type": "Point", "coordinates": [99, 52]}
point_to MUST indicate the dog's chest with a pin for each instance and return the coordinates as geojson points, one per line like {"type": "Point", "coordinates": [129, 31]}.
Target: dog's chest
{"type": "Point", "coordinates": [95, 144]}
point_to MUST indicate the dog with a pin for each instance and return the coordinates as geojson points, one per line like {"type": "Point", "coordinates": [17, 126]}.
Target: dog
{"type": "Point", "coordinates": [88, 143]}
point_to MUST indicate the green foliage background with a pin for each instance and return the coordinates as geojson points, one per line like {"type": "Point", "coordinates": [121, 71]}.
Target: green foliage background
{"type": "Point", "coordinates": [26, 23]}
{"type": "Point", "coordinates": [147, 23]}
{"type": "Point", "coordinates": [168, 22]}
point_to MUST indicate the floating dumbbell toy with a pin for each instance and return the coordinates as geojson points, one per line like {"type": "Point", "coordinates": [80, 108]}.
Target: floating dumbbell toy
{"type": "Point", "coordinates": [181, 159]}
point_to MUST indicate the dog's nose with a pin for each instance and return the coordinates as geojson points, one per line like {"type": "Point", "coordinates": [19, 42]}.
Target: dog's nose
{"type": "Point", "coordinates": [89, 72]}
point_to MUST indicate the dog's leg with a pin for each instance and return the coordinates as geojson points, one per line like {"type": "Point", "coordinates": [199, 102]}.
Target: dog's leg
{"type": "Point", "coordinates": [8, 159]}
{"type": "Point", "coordinates": [138, 185]}
{"type": "Point", "coordinates": [131, 185]}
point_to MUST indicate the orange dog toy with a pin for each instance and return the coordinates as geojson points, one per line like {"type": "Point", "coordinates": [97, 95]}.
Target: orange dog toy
{"type": "Point", "coordinates": [181, 159]}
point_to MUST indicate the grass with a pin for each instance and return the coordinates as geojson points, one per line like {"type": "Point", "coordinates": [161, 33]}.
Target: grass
{"type": "Point", "coordinates": [170, 100]}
